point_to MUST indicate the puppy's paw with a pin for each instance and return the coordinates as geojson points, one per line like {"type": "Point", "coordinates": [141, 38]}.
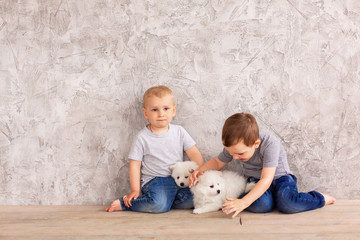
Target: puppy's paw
{"type": "Point", "coordinates": [198, 210]}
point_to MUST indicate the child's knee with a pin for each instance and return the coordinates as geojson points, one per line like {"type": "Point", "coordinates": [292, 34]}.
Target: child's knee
{"type": "Point", "coordinates": [158, 209]}
{"type": "Point", "coordinates": [159, 204]}
{"type": "Point", "coordinates": [262, 205]}
{"type": "Point", "coordinates": [286, 201]}
{"type": "Point", "coordinates": [286, 206]}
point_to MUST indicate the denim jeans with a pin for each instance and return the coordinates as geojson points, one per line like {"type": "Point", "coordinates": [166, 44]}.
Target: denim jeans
{"type": "Point", "coordinates": [159, 195]}
{"type": "Point", "coordinates": [283, 194]}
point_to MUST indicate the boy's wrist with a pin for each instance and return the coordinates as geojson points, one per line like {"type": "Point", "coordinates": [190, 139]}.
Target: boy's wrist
{"type": "Point", "coordinates": [245, 202]}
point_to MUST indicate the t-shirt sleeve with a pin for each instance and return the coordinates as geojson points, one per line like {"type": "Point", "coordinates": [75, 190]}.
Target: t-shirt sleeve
{"type": "Point", "coordinates": [136, 150]}
{"type": "Point", "coordinates": [271, 153]}
{"type": "Point", "coordinates": [188, 141]}
{"type": "Point", "coordinates": [225, 156]}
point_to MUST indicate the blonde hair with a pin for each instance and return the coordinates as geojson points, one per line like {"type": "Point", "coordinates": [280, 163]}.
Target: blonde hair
{"type": "Point", "coordinates": [158, 91]}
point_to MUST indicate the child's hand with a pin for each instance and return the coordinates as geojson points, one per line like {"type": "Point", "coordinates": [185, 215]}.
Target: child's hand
{"type": "Point", "coordinates": [194, 176]}
{"type": "Point", "coordinates": [127, 198]}
{"type": "Point", "coordinates": [234, 205]}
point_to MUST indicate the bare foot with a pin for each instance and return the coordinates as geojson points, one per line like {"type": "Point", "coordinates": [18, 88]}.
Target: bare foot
{"type": "Point", "coordinates": [115, 206]}
{"type": "Point", "coordinates": [328, 199]}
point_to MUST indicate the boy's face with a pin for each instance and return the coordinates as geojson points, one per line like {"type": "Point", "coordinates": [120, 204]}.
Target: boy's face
{"type": "Point", "coordinates": [159, 111]}
{"type": "Point", "coordinates": [242, 152]}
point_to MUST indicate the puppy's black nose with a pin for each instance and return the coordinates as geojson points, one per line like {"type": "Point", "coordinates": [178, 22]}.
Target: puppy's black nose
{"type": "Point", "coordinates": [218, 191]}
{"type": "Point", "coordinates": [182, 184]}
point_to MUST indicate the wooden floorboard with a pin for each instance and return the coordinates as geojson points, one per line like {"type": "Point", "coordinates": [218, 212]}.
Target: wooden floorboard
{"type": "Point", "coordinates": [339, 221]}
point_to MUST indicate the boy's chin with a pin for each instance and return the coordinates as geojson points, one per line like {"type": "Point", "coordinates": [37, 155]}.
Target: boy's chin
{"type": "Point", "coordinates": [162, 124]}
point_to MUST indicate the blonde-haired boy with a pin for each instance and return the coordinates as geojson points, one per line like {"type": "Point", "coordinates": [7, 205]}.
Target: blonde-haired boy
{"type": "Point", "coordinates": [157, 146]}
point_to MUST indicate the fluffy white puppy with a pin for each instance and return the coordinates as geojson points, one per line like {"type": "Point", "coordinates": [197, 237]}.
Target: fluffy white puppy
{"type": "Point", "coordinates": [181, 172]}
{"type": "Point", "coordinates": [214, 187]}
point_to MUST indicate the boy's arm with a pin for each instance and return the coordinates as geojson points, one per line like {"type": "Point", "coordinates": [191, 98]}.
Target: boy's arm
{"type": "Point", "coordinates": [238, 205]}
{"type": "Point", "coordinates": [267, 176]}
{"type": "Point", "coordinates": [134, 174]}
{"type": "Point", "coordinates": [212, 164]}
{"type": "Point", "coordinates": [194, 155]}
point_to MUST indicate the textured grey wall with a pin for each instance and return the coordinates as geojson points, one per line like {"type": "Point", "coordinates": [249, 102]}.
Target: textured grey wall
{"type": "Point", "coordinates": [72, 75]}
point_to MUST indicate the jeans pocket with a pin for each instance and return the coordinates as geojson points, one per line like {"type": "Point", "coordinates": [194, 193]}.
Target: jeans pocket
{"type": "Point", "coordinates": [147, 185]}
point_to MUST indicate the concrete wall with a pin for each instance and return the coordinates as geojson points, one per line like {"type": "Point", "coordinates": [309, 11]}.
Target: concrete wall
{"type": "Point", "coordinates": [73, 72]}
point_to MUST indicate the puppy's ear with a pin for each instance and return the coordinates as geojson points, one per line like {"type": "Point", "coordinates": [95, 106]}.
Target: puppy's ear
{"type": "Point", "coordinates": [191, 170]}
{"type": "Point", "coordinates": [171, 167]}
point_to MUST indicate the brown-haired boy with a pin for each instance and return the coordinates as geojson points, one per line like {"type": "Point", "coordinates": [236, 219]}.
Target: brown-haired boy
{"type": "Point", "coordinates": [264, 161]}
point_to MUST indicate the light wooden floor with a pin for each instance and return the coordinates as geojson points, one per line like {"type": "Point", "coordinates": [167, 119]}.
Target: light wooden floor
{"type": "Point", "coordinates": [339, 221]}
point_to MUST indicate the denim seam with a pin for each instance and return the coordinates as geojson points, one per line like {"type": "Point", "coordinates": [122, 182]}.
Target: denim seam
{"type": "Point", "coordinates": [148, 184]}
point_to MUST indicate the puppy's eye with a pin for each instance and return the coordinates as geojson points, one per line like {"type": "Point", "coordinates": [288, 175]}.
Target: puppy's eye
{"type": "Point", "coordinates": [186, 177]}
{"type": "Point", "coordinates": [212, 186]}
{"type": "Point", "coordinates": [178, 177]}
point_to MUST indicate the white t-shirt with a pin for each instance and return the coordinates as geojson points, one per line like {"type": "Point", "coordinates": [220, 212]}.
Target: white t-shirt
{"type": "Point", "coordinates": [158, 151]}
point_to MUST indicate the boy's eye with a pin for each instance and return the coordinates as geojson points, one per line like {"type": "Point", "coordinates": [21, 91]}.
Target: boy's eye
{"type": "Point", "coordinates": [154, 110]}
{"type": "Point", "coordinates": [212, 186]}
{"type": "Point", "coordinates": [166, 109]}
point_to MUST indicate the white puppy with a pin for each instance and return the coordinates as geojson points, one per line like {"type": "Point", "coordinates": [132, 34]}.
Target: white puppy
{"type": "Point", "coordinates": [181, 172]}
{"type": "Point", "coordinates": [214, 187]}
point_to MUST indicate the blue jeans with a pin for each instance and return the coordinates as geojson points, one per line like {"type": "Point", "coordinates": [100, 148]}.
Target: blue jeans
{"type": "Point", "coordinates": [283, 194]}
{"type": "Point", "coordinates": [159, 195]}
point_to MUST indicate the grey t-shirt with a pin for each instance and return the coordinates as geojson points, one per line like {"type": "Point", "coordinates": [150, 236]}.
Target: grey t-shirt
{"type": "Point", "coordinates": [158, 151]}
{"type": "Point", "coordinates": [270, 153]}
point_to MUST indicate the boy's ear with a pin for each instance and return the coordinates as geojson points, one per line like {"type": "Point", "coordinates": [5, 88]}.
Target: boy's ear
{"type": "Point", "coordinates": [174, 112]}
{"type": "Point", "coordinates": [257, 143]}
{"type": "Point", "coordinates": [145, 113]}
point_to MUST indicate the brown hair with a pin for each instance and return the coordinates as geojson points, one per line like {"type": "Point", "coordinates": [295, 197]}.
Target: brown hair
{"type": "Point", "coordinates": [240, 126]}
{"type": "Point", "coordinates": [158, 91]}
